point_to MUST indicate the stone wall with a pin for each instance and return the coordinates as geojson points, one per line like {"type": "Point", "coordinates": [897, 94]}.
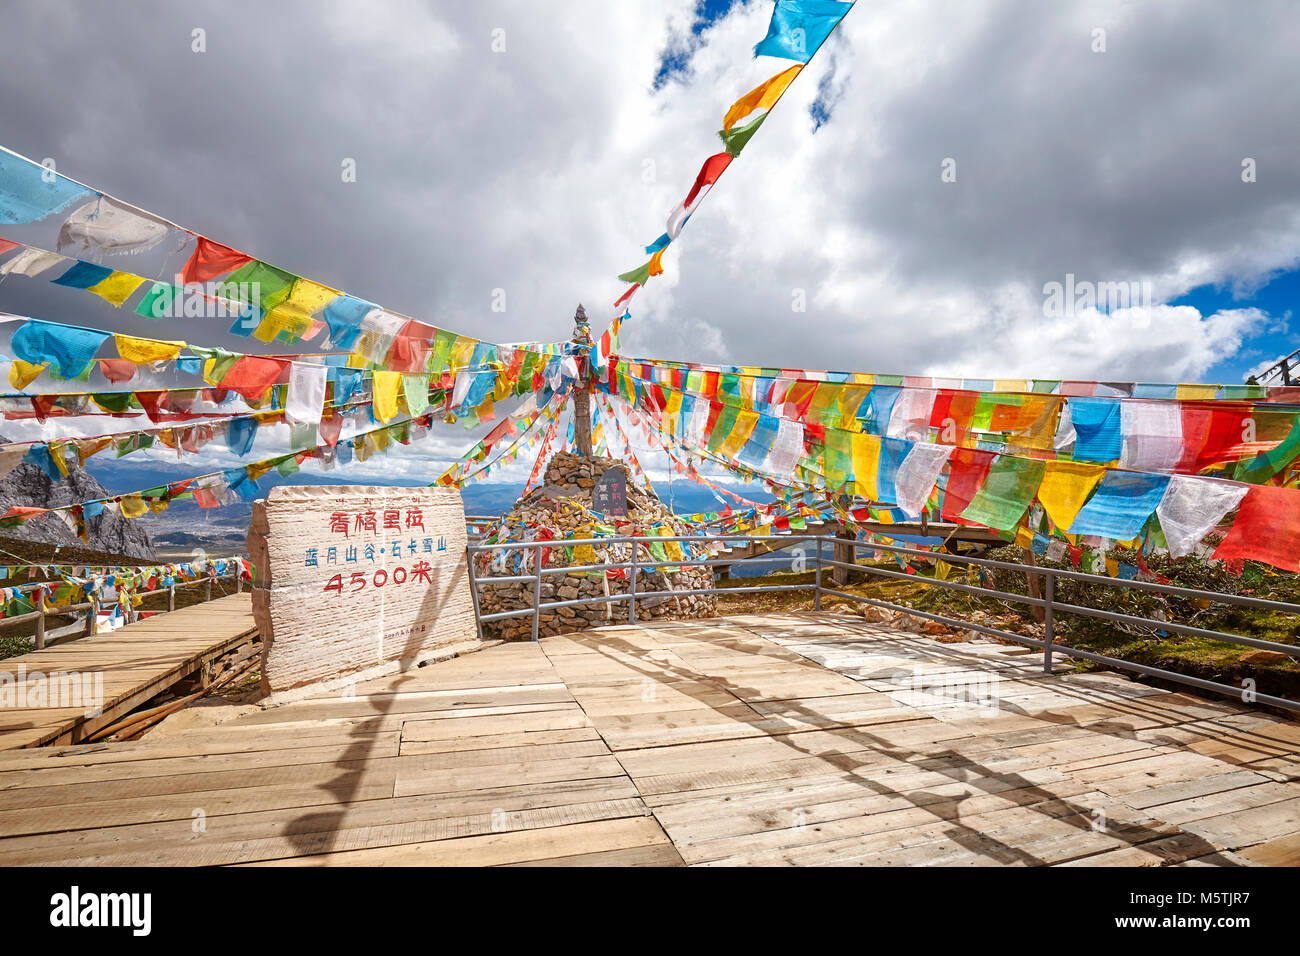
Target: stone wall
{"type": "Point", "coordinates": [571, 478]}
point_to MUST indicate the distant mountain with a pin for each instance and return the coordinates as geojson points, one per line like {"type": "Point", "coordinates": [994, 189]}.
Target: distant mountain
{"type": "Point", "coordinates": [184, 527]}
{"type": "Point", "coordinates": [29, 486]}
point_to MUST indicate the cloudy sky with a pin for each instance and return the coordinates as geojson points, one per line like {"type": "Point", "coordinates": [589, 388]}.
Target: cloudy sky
{"type": "Point", "coordinates": [536, 147]}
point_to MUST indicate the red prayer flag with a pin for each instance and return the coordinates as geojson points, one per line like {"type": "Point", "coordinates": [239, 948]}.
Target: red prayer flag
{"type": "Point", "coordinates": [967, 470]}
{"type": "Point", "coordinates": [211, 259]}
{"type": "Point", "coordinates": [8, 244]}
{"type": "Point", "coordinates": [252, 375]}
{"type": "Point", "coordinates": [206, 498]}
{"type": "Point", "coordinates": [709, 173]}
{"type": "Point", "coordinates": [1211, 435]}
{"type": "Point", "coordinates": [1267, 528]}
{"type": "Point", "coordinates": [117, 370]}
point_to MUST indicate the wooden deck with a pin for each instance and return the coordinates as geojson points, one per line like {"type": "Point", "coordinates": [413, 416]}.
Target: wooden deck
{"type": "Point", "coordinates": [809, 739]}
{"type": "Point", "coordinates": [136, 662]}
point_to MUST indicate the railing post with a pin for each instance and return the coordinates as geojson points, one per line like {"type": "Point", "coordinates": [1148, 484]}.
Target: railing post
{"type": "Point", "coordinates": [92, 615]}
{"type": "Point", "coordinates": [239, 579]}
{"type": "Point", "coordinates": [537, 592]}
{"type": "Point", "coordinates": [171, 598]}
{"type": "Point", "coordinates": [1049, 594]}
{"type": "Point", "coordinates": [817, 584]}
{"type": "Point", "coordinates": [207, 589]}
{"type": "Point", "coordinates": [40, 619]}
{"type": "Point", "coordinates": [473, 590]}
{"type": "Point", "coordinates": [631, 586]}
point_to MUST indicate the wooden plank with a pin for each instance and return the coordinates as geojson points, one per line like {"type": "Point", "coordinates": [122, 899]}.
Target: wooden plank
{"type": "Point", "coordinates": [501, 849]}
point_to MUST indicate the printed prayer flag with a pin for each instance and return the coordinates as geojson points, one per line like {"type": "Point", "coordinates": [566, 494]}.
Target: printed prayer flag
{"type": "Point", "coordinates": [799, 27]}
{"type": "Point", "coordinates": [734, 140]}
{"type": "Point", "coordinates": [1006, 493]}
{"type": "Point", "coordinates": [1267, 528]}
{"type": "Point", "coordinates": [761, 97]}
{"type": "Point", "coordinates": [211, 259]}
{"type": "Point", "coordinates": [1066, 485]}
{"type": "Point", "coordinates": [146, 351]}
{"type": "Point", "coordinates": [386, 386]}
{"type": "Point", "coordinates": [1121, 505]}
{"type": "Point", "coordinates": [66, 349]}
{"type": "Point", "coordinates": [29, 192]}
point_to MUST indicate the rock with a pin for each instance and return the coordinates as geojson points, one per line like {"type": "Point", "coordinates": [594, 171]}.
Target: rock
{"type": "Point", "coordinates": [27, 485]}
{"type": "Point", "coordinates": [568, 480]}
{"type": "Point", "coordinates": [934, 627]}
{"type": "Point", "coordinates": [1263, 657]}
{"type": "Point", "coordinates": [873, 615]}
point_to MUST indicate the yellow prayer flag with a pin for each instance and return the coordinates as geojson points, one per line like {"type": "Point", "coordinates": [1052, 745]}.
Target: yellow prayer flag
{"type": "Point", "coordinates": [1065, 487]}
{"type": "Point", "coordinates": [760, 97]}
{"type": "Point", "coordinates": [132, 506]}
{"type": "Point", "coordinates": [740, 432]}
{"type": "Point", "coordinates": [387, 386]}
{"type": "Point", "coordinates": [293, 314]}
{"type": "Point", "coordinates": [258, 468]}
{"type": "Point", "coordinates": [116, 287]}
{"type": "Point", "coordinates": [461, 351]}
{"type": "Point", "coordinates": [144, 351]}
{"type": "Point", "coordinates": [22, 374]}
{"type": "Point", "coordinates": [866, 464]}
{"type": "Point", "coordinates": [657, 263]}
{"type": "Point", "coordinates": [1197, 392]}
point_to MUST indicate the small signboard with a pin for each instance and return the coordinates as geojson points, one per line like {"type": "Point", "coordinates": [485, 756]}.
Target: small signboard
{"type": "Point", "coordinates": [356, 581]}
{"type": "Point", "coordinates": [609, 497]}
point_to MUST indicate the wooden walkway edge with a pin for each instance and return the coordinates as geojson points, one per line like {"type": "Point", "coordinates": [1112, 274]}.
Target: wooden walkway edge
{"type": "Point", "coordinates": [118, 670]}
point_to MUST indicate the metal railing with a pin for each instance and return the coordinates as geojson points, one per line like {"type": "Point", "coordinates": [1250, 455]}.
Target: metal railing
{"type": "Point", "coordinates": [42, 636]}
{"type": "Point", "coordinates": [1051, 607]}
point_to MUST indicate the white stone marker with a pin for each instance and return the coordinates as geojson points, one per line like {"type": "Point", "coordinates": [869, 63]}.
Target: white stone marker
{"type": "Point", "coordinates": [354, 582]}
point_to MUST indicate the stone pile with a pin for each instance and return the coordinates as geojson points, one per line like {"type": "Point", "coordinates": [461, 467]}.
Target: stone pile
{"type": "Point", "coordinates": [561, 506]}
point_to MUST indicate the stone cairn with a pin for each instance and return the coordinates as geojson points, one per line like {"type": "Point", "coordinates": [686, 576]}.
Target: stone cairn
{"type": "Point", "coordinates": [562, 505]}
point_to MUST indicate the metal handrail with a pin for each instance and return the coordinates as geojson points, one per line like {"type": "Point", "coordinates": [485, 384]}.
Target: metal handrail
{"type": "Point", "coordinates": [634, 566]}
{"type": "Point", "coordinates": [43, 611]}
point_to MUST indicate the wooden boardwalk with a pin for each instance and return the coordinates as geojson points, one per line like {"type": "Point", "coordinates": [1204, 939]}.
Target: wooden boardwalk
{"type": "Point", "coordinates": [811, 739]}
{"type": "Point", "coordinates": [130, 665]}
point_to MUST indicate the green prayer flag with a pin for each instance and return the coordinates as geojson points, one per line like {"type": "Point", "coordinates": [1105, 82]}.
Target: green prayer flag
{"type": "Point", "coordinates": [157, 302]}
{"type": "Point", "coordinates": [1008, 489]}
{"type": "Point", "coordinates": [734, 140]}
{"type": "Point", "coordinates": [269, 285]}
{"type": "Point", "coordinates": [416, 389]}
{"type": "Point", "coordinates": [637, 276]}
